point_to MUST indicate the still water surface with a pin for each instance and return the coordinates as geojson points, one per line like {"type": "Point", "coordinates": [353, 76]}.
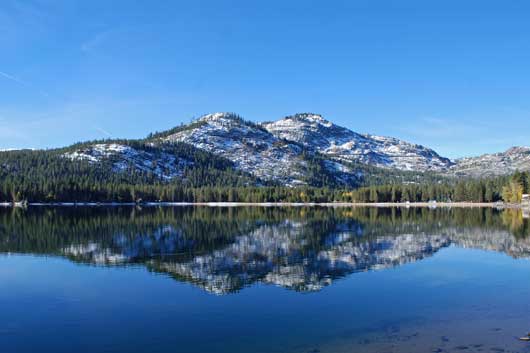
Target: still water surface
{"type": "Point", "coordinates": [199, 279]}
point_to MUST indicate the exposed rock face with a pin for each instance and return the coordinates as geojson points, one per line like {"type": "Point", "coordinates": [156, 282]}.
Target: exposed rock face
{"type": "Point", "coordinates": [278, 151]}
{"type": "Point", "coordinates": [315, 132]}
{"type": "Point", "coordinates": [503, 163]}
{"type": "Point", "coordinates": [252, 148]}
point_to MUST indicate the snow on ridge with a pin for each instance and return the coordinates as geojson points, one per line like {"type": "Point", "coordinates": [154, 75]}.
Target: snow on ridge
{"type": "Point", "coordinates": [248, 145]}
{"type": "Point", "coordinates": [273, 151]}
{"type": "Point", "coordinates": [343, 144]}
{"type": "Point", "coordinates": [217, 116]}
{"type": "Point", "coordinates": [494, 164]}
{"type": "Point", "coordinates": [308, 118]}
{"type": "Point", "coordinates": [96, 152]}
{"type": "Point", "coordinates": [164, 165]}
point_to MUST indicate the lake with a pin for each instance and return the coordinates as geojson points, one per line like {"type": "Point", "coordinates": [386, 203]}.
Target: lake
{"type": "Point", "coordinates": [258, 279]}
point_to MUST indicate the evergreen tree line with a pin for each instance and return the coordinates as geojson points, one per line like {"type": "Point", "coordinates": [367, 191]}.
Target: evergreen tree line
{"type": "Point", "coordinates": [506, 188]}
{"type": "Point", "coordinates": [50, 230]}
{"type": "Point", "coordinates": [470, 190]}
{"type": "Point", "coordinates": [83, 190]}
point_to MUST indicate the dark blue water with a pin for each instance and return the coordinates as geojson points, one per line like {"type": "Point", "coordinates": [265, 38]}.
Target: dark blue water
{"type": "Point", "coordinates": [263, 280]}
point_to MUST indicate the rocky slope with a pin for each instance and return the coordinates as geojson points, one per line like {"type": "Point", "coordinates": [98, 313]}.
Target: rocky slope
{"type": "Point", "coordinates": [315, 132]}
{"type": "Point", "coordinates": [296, 150]}
{"type": "Point", "coordinates": [503, 163]}
{"type": "Point", "coordinates": [164, 165]}
{"type": "Point", "coordinates": [249, 146]}
{"type": "Point", "coordinates": [277, 150]}
{"type": "Point", "coordinates": [255, 150]}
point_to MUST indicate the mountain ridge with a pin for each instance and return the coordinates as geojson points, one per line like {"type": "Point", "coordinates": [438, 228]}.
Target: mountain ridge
{"type": "Point", "coordinates": [300, 149]}
{"type": "Point", "coordinates": [345, 144]}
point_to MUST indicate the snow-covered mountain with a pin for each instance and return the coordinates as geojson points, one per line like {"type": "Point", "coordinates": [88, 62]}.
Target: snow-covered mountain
{"type": "Point", "coordinates": [300, 149]}
{"type": "Point", "coordinates": [315, 132]}
{"type": "Point", "coordinates": [254, 149]}
{"type": "Point", "coordinates": [278, 150]}
{"type": "Point", "coordinates": [503, 163]}
{"type": "Point", "coordinates": [248, 145]}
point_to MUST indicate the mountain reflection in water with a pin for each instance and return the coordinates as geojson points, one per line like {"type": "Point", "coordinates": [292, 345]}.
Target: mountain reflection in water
{"type": "Point", "coordinates": [222, 250]}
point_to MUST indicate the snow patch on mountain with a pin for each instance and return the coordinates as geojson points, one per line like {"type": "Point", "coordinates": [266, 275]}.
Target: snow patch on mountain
{"type": "Point", "coordinates": [283, 151]}
{"type": "Point", "coordinates": [315, 132]}
{"type": "Point", "coordinates": [495, 164]}
{"type": "Point", "coordinates": [164, 165]}
{"type": "Point", "coordinates": [252, 148]}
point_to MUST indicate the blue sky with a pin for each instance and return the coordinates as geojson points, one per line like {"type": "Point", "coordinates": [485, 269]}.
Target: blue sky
{"type": "Point", "coordinates": [452, 75]}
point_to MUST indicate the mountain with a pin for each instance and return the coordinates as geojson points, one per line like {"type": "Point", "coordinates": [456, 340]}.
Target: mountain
{"type": "Point", "coordinates": [255, 150]}
{"type": "Point", "coordinates": [161, 163]}
{"type": "Point", "coordinates": [84, 170]}
{"type": "Point", "coordinates": [222, 149]}
{"type": "Point", "coordinates": [319, 134]}
{"type": "Point", "coordinates": [299, 149]}
{"type": "Point", "coordinates": [487, 165]}
{"type": "Point", "coordinates": [248, 145]}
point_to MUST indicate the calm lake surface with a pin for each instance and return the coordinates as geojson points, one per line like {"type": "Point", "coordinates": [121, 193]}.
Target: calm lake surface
{"type": "Point", "coordinates": [251, 279]}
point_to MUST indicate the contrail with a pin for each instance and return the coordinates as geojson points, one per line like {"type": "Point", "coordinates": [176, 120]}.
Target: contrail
{"type": "Point", "coordinates": [23, 83]}
{"type": "Point", "coordinates": [13, 78]}
{"type": "Point", "coordinates": [104, 132]}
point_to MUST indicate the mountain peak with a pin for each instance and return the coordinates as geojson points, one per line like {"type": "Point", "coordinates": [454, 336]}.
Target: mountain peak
{"type": "Point", "coordinates": [281, 152]}
{"type": "Point", "coordinates": [517, 150]}
{"type": "Point", "coordinates": [309, 118]}
{"type": "Point", "coordinates": [337, 142]}
{"type": "Point", "coordinates": [272, 150]}
{"type": "Point", "coordinates": [217, 116]}
{"type": "Point", "coordinates": [494, 164]}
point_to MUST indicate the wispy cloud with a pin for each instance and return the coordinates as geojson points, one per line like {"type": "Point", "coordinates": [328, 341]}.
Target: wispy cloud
{"type": "Point", "coordinates": [23, 83]}
{"type": "Point", "coordinates": [57, 125]}
{"type": "Point", "coordinates": [12, 78]}
{"type": "Point", "coordinates": [103, 131]}
{"type": "Point", "coordinates": [21, 20]}
{"type": "Point", "coordinates": [93, 43]}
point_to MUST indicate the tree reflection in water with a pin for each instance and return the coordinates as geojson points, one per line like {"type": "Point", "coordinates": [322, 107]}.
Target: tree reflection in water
{"type": "Point", "coordinates": [222, 250]}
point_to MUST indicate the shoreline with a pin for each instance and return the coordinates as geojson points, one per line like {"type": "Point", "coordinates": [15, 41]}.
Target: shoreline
{"type": "Point", "coordinates": [274, 204]}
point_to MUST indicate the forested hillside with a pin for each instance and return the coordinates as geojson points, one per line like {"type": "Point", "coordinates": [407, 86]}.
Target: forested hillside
{"type": "Point", "coordinates": [222, 157]}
